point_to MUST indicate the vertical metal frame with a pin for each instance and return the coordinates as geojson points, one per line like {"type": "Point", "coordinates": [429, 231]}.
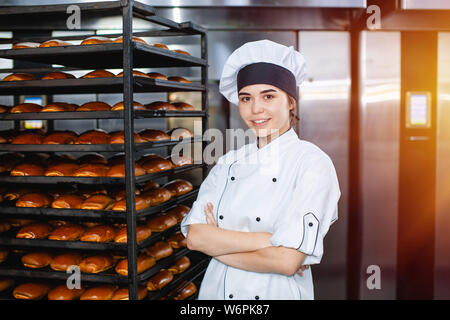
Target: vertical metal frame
{"type": "Point", "coordinates": [204, 55]}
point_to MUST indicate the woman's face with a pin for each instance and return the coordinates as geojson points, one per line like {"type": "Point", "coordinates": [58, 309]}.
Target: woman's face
{"type": "Point", "coordinates": [264, 108]}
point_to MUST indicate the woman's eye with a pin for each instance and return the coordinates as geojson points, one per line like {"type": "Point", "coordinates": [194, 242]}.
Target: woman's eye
{"type": "Point", "coordinates": [268, 96]}
{"type": "Point", "coordinates": [245, 99]}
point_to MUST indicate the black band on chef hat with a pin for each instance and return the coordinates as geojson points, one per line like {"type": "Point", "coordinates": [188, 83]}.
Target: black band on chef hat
{"type": "Point", "coordinates": [267, 73]}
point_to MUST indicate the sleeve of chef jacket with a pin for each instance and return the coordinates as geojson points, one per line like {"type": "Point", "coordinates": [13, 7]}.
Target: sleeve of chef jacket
{"type": "Point", "coordinates": [206, 193]}
{"type": "Point", "coordinates": [313, 208]}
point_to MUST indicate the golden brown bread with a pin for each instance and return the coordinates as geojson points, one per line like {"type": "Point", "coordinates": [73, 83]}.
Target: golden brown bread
{"type": "Point", "coordinates": [63, 261]}
{"type": "Point", "coordinates": [144, 262]}
{"type": "Point", "coordinates": [134, 38]}
{"type": "Point", "coordinates": [160, 45]}
{"type": "Point", "coordinates": [177, 240]}
{"type": "Point", "coordinates": [59, 107]}
{"type": "Point", "coordinates": [36, 260]}
{"type": "Point", "coordinates": [142, 233]}
{"type": "Point", "coordinates": [31, 291]}
{"type": "Point", "coordinates": [4, 226]}
{"type": "Point", "coordinates": [68, 201]}
{"type": "Point", "coordinates": [104, 292]}
{"type": "Point", "coordinates": [186, 292]}
{"type": "Point", "coordinates": [39, 230]}
{"type": "Point", "coordinates": [27, 169]}
{"type": "Point", "coordinates": [179, 161]}
{"type": "Point", "coordinates": [136, 106]}
{"type": "Point", "coordinates": [180, 265]}
{"type": "Point", "coordinates": [91, 170]}
{"type": "Point", "coordinates": [157, 165]}
{"type": "Point", "coordinates": [160, 105]}
{"type": "Point", "coordinates": [96, 264]}
{"type": "Point", "coordinates": [3, 255]}
{"type": "Point", "coordinates": [180, 133]}
{"type": "Point", "coordinates": [9, 136]}
{"type": "Point", "coordinates": [135, 74]}
{"type": "Point", "coordinates": [141, 203]}
{"type": "Point", "coordinates": [100, 73]}
{"type": "Point", "coordinates": [96, 40]}
{"type": "Point", "coordinates": [94, 106]}
{"type": "Point", "coordinates": [159, 250]}
{"type": "Point", "coordinates": [28, 138]}
{"type": "Point", "coordinates": [118, 137]}
{"type": "Point", "coordinates": [60, 137]}
{"type": "Point", "coordinates": [159, 280]}
{"type": "Point", "coordinates": [21, 45]}
{"type": "Point", "coordinates": [157, 75]}
{"type": "Point", "coordinates": [34, 200]}
{"type": "Point", "coordinates": [26, 107]}
{"type": "Point", "coordinates": [179, 79]}
{"type": "Point", "coordinates": [4, 109]}
{"type": "Point", "coordinates": [118, 170]}
{"type": "Point", "coordinates": [62, 292]}
{"type": "Point", "coordinates": [182, 106]}
{"type": "Point", "coordinates": [61, 170]}
{"type": "Point", "coordinates": [101, 233]}
{"type": "Point", "coordinates": [92, 158]}
{"type": "Point", "coordinates": [150, 185]}
{"type": "Point", "coordinates": [93, 137]}
{"type": "Point", "coordinates": [157, 195]}
{"type": "Point", "coordinates": [148, 157]}
{"type": "Point", "coordinates": [70, 232]}
{"type": "Point", "coordinates": [154, 135]}
{"type": "Point", "coordinates": [54, 43]}
{"type": "Point", "coordinates": [97, 202]}
{"type": "Point", "coordinates": [178, 212]}
{"type": "Point", "coordinates": [58, 75]}
{"type": "Point", "coordinates": [120, 194]}
{"type": "Point", "coordinates": [89, 190]}
{"type": "Point", "coordinates": [122, 294]}
{"type": "Point", "coordinates": [178, 187]}
{"type": "Point", "coordinates": [161, 222]}
{"type": "Point", "coordinates": [182, 52]}
{"type": "Point", "coordinates": [19, 77]}
{"type": "Point", "coordinates": [5, 284]}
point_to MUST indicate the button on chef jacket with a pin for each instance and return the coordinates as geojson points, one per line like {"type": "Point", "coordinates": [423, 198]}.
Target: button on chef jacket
{"type": "Point", "coordinates": [289, 188]}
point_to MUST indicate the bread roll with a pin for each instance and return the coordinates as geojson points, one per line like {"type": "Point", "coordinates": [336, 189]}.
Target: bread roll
{"type": "Point", "coordinates": [150, 185]}
{"type": "Point", "coordinates": [101, 73]}
{"type": "Point", "coordinates": [26, 107]}
{"type": "Point", "coordinates": [61, 170]}
{"type": "Point", "coordinates": [178, 212]}
{"type": "Point", "coordinates": [94, 106]}
{"type": "Point", "coordinates": [157, 75]}
{"type": "Point", "coordinates": [121, 194]}
{"type": "Point", "coordinates": [62, 292]}
{"type": "Point", "coordinates": [36, 260]}
{"type": "Point", "coordinates": [89, 190]}
{"type": "Point", "coordinates": [154, 135]}
{"type": "Point", "coordinates": [34, 200]}
{"type": "Point", "coordinates": [180, 133]}
{"type": "Point", "coordinates": [141, 204]}
{"type": "Point", "coordinates": [93, 137]}
{"type": "Point", "coordinates": [102, 233]}
{"type": "Point", "coordinates": [39, 230]}
{"type": "Point", "coordinates": [157, 195]}
{"type": "Point", "coordinates": [182, 52]}
{"type": "Point", "coordinates": [21, 45]}
{"type": "Point", "coordinates": [58, 75]}
{"type": "Point", "coordinates": [31, 291]}
{"type": "Point", "coordinates": [161, 222]}
{"type": "Point", "coordinates": [135, 74]}
{"type": "Point", "coordinates": [136, 106]}
{"type": "Point", "coordinates": [179, 79]}
{"type": "Point", "coordinates": [182, 106]}
{"type": "Point", "coordinates": [3, 255]}
{"type": "Point", "coordinates": [159, 280]}
{"type": "Point", "coordinates": [159, 250]}
{"type": "Point", "coordinates": [91, 170]}
{"type": "Point", "coordinates": [26, 169]}
{"type": "Point", "coordinates": [70, 232]}
{"type": "Point", "coordinates": [134, 38]}
{"type": "Point", "coordinates": [180, 161]}
{"type": "Point", "coordinates": [92, 158]}
{"type": "Point", "coordinates": [144, 262]}
{"type": "Point", "coordinates": [4, 226]}
{"type": "Point", "coordinates": [157, 165]}
{"type": "Point", "coordinates": [54, 43]}
{"type": "Point", "coordinates": [160, 45]}
{"type": "Point", "coordinates": [6, 109]}
{"type": "Point", "coordinates": [19, 77]}
{"type": "Point", "coordinates": [97, 202]}
{"type": "Point", "coordinates": [59, 107]}
{"type": "Point", "coordinates": [118, 137]}
{"type": "Point", "coordinates": [177, 240]}
{"type": "Point", "coordinates": [60, 137]}
{"type": "Point", "coordinates": [149, 156]}
{"type": "Point", "coordinates": [28, 138]}
{"type": "Point", "coordinates": [122, 294]}
{"type": "Point", "coordinates": [142, 233]}
{"type": "Point", "coordinates": [186, 292]}
{"type": "Point", "coordinates": [96, 40]}
{"type": "Point", "coordinates": [180, 265]}
{"type": "Point", "coordinates": [104, 292]}
{"type": "Point", "coordinates": [118, 170]}
{"type": "Point", "coordinates": [68, 201]}
{"type": "Point", "coordinates": [5, 284]}
{"type": "Point", "coordinates": [96, 264]}
{"type": "Point", "coordinates": [9, 135]}
{"type": "Point", "coordinates": [62, 262]}
{"type": "Point", "coordinates": [178, 187]}
{"type": "Point", "coordinates": [160, 105]}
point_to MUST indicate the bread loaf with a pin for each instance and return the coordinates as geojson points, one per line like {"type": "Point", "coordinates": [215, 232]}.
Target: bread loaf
{"type": "Point", "coordinates": [39, 230]}
{"type": "Point", "coordinates": [182, 106]}
{"type": "Point", "coordinates": [104, 292]}
{"type": "Point", "coordinates": [157, 195]}
{"type": "Point", "coordinates": [58, 75]}
{"type": "Point", "coordinates": [186, 292]}
{"type": "Point", "coordinates": [160, 105]}
{"type": "Point", "coordinates": [178, 187]}
{"type": "Point", "coordinates": [70, 232]}
{"type": "Point", "coordinates": [26, 107]}
{"type": "Point", "coordinates": [22, 45]}
{"type": "Point", "coordinates": [177, 240]}
{"type": "Point", "coordinates": [5, 284]}
{"type": "Point", "coordinates": [118, 137]}
{"type": "Point", "coordinates": [118, 170]}
{"type": "Point", "coordinates": [59, 107]}
{"type": "Point", "coordinates": [178, 212]}
{"type": "Point", "coordinates": [159, 250]}
{"type": "Point", "coordinates": [28, 138]}
{"type": "Point", "coordinates": [91, 170]}
{"type": "Point", "coordinates": [54, 43]}
{"type": "Point", "coordinates": [96, 40]}
{"type": "Point", "coordinates": [144, 262]}
{"type": "Point", "coordinates": [34, 200]}
{"type": "Point", "coordinates": [94, 106]}
{"type": "Point", "coordinates": [135, 74]}
{"type": "Point", "coordinates": [96, 264]}
{"type": "Point", "coordinates": [160, 45]}
{"type": "Point", "coordinates": [180, 265]}
{"type": "Point", "coordinates": [31, 291]}
{"type": "Point", "coordinates": [122, 294]}
{"type": "Point", "coordinates": [179, 161]}
{"type": "Point", "coordinates": [182, 52]}
{"type": "Point", "coordinates": [63, 261]}
{"type": "Point", "coordinates": [101, 73]}
{"type": "Point", "coordinates": [157, 75]}
{"type": "Point", "coordinates": [179, 79]}
{"type": "Point", "coordinates": [142, 233]}
{"type": "Point", "coordinates": [61, 170]}
{"type": "Point", "coordinates": [93, 137]}
{"type": "Point", "coordinates": [36, 260]}
{"type": "Point", "coordinates": [159, 280]}
{"type": "Point", "coordinates": [136, 106]}
{"type": "Point", "coordinates": [19, 77]}
{"type": "Point", "coordinates": [134, 38]}
{"type": "Point", "coordinates": [157, 165]}
{"type": "Point", "coordinates": [62, 292]}
{"type": "Point", "coordinates": [180, 133]}
{"type": "Point", "coordinates": [141, 204]}
{"type": "Point", "coordinates": [97, 202]}
{"type": "Point", "coordinates": [161, 222]}
{"type": "Point", "coordinates": [101, 233]}
{"type": "Point", "coordinates": [68, 201]}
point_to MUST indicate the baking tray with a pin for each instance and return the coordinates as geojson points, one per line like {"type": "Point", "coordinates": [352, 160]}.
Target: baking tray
{"type": "Point", "coordinates": [103, 56]}
{"type": "Point", "coordinates": [73, 115]}
{"type": "Point", "coordinates": [92, 147]}
{"type": "Point", "coordinates": [96, 180]}
{"type": "Point", "coordinates": [93, 85]}
{"type": "Point", "coordinates": [8, 211]}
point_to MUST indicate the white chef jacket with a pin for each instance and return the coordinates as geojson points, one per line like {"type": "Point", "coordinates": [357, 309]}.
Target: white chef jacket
{"type": "Point", "coordinates": [289, 188]}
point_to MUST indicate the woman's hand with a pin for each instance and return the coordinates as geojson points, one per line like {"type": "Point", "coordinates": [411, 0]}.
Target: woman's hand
{"type": "Point", "coordinates": [209, 212]}
{"type": "Point", "coordinates": [302, 268]}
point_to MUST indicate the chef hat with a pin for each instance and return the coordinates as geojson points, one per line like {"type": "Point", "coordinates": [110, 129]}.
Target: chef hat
{"type": "Point", "coordinates": [259, 62]}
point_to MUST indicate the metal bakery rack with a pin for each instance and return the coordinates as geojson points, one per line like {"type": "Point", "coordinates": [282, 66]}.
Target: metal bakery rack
{"type": "Point", "coordinates": [127, 55]}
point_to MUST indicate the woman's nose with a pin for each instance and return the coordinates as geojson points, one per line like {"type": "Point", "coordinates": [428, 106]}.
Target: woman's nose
{"type": "Point", "coordinates": [257, 107]}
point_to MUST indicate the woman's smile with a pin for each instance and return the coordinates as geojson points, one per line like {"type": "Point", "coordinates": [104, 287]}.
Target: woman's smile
{"type": "Point", "coordinates": [259, 122]}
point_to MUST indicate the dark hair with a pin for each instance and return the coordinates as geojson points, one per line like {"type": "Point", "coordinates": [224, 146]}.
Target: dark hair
{"type": "Point", "coordinates": [293, 114]}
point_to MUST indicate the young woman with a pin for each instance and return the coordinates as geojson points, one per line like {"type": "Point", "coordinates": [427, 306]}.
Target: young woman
{"type": "Point", "coordinates": [263, 210]}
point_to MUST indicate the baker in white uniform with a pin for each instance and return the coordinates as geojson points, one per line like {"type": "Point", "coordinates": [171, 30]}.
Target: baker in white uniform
{"type": "Point", "coordinates": [264, 209]}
